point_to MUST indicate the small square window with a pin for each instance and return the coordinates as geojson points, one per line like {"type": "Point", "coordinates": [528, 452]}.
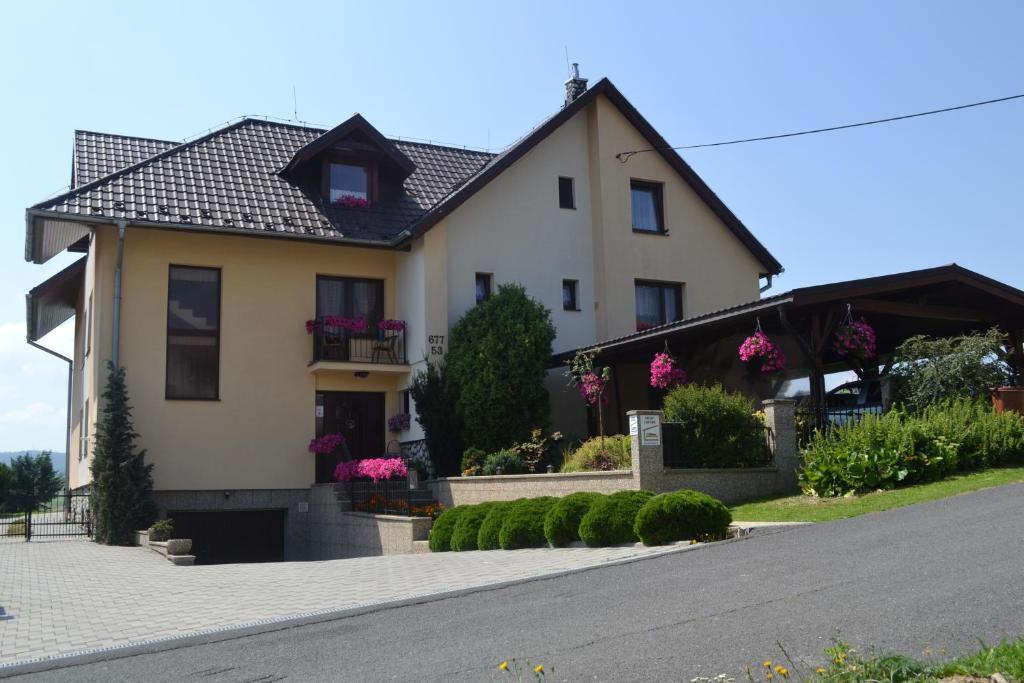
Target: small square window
{"type": "Point", "coordinates": [647, 207]}
{"type": "Point", "coordinates": [657, 303]}
{"type": "Point", "coordinates": [348, 182]}
{"type": "Point", "coordinates": [566, 193]}
{"type": "Point", "coordinates": [483, 287]}
{"type": "Point", "coordinates": [570, 296]}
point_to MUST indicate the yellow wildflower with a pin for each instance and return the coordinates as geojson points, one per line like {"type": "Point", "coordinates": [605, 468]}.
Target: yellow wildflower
{"type": "Point", "coordinates": [783, 671]}
{"type": "Point", "coordinates": [767, 664]}
{"type": "Point", "coordinates": [539, 669]}
{"type": "Point", "coordinates": [769, 676]}
{"type": "Point", "coordinates": [820, 670]}
{"type": "Point", "coordinates": [503, 666]}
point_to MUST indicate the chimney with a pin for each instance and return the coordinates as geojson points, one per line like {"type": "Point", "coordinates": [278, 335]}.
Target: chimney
{"type": "Point", "coordinates": [575, 86]}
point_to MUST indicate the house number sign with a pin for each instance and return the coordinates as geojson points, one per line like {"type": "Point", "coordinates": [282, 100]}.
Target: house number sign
{"type": "Point", "coordinates": [436, 343]}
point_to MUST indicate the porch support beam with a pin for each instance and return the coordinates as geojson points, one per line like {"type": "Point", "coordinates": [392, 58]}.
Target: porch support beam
{"type": "Point", "coordinates": [807, 348]}
{"type": "Point", "coordinates": [930, 311]}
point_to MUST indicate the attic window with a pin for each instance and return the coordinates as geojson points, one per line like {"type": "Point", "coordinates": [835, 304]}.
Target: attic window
{"type": "Point", "coordinates": [348, 183]}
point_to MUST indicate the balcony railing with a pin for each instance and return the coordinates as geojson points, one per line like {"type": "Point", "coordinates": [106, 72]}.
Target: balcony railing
{"type": "Point", "coordinates": [340, 344]}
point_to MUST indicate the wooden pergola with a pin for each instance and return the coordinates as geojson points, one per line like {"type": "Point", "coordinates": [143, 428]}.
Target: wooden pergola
{"type": "Point", "coordinates": [938, 302]}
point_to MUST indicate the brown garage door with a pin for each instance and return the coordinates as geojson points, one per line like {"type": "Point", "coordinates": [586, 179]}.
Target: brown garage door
{"type": "Point", "coordinates": [234, 536]}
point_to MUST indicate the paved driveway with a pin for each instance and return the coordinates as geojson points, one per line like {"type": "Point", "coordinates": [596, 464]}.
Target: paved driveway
{"type": "Point", "coordinates": [65, 597]}
{"type": "Point", "coordinates": [939, 575]}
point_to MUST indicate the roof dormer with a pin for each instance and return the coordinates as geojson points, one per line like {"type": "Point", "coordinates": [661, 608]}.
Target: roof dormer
{"type": "Point", "coordinates": [351, 165]}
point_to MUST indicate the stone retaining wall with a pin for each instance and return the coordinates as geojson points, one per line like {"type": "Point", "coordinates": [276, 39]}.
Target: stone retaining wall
{"type": "Point", "coordinates": [336, 534]}
{"type": "Point", "coordinates": [469, 490]}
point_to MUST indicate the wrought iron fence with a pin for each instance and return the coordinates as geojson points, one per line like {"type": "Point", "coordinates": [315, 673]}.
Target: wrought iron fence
{"type": "Point", "coordinates": [677, 440]}
{"type": "Point", "coordinates": [332, 343]}
{"type": "Point", "coordinates": [812, 419]}
{"type": "Point", "coordinates": [67, 515]}
{"type": "Point", "coordinates": [385, 496]}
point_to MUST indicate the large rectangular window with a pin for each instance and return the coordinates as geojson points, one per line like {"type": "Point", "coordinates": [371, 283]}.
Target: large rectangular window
{"type": "Point", "coordinates": [350, 297]}
{"type": "Point", "coordinates": [657, 303]}
{"type": "Point", "coordinates": [193, 333]}
{"type": "Point", "coordinates": [647, 207]}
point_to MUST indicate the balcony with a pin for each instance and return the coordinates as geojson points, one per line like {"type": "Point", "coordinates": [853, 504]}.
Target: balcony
{"type": "Point", "coordinates": [355, 345]}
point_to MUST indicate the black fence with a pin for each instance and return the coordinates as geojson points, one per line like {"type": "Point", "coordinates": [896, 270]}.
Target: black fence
{"type": "Point", "coordinates": [811, 419]}
{"type": "Point", "coordinates": [67, 515]}
{"type": "Point", "coordinates": [373, 346]}
{"type": "Point", "coordinates": [678, 438]}
{"type": "Point", "coordinates": [382, 497]}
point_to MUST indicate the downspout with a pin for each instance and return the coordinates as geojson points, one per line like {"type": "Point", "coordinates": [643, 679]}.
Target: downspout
{"type": "Point", "coordinates": [115, 347]}
{"type": "Point", "coordinates": [67, 433]}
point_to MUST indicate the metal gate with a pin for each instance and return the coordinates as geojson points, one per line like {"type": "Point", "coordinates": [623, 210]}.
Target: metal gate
{"type": "Point", "coordinates": [66, 515]}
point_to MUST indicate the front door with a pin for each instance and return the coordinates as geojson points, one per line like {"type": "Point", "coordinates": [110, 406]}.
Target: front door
{"type": "Point", "coordinates": [359, 417]}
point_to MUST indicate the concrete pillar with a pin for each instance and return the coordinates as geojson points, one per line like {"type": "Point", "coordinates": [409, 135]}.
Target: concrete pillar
{"type": "Point", "coordinates": [646, 447]}
{"type": "Point", "coordinates": [779, 416]}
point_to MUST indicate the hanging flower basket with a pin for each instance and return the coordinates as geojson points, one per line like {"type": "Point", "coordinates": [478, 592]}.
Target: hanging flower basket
{"type": "Point", "coordinates": [399, 422]}
{"type": "Point", "coordinates": [664, 373]}
{"type": "Point", "coordinates": [855, 339]}
{"type": "Point", "coordinates": [760, 353]}
{"type": "Point", "coordinates": [328, 444]}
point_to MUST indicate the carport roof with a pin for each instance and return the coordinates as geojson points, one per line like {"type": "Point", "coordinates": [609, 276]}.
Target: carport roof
{"type": "Point", "coordinates": [950, 295]}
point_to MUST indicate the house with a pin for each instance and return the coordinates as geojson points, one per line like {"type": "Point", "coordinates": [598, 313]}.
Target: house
{"type": "Point", "coordinates": [203, 261]}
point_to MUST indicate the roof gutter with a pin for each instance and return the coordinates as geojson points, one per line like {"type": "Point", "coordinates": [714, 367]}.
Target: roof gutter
{"type": "Point", "coordinates": [32, 214]}
{"type": "Point", "coordinates": [67, 429]}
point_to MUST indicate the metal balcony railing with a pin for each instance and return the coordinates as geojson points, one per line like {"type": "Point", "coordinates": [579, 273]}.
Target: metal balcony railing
{"type": "Point", "coordinates": [335, 343]}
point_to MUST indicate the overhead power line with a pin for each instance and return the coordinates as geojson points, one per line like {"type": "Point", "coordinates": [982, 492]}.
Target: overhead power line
{"type": "Point", "coordinates": [625, 156]}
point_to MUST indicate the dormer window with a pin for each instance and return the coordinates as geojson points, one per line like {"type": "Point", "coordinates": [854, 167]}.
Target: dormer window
{"type": "Point", "coordinates": [348, 184]}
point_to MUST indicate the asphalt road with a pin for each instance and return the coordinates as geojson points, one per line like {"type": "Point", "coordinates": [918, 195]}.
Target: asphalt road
{"type": "Point", "coordinates": [940, 575]}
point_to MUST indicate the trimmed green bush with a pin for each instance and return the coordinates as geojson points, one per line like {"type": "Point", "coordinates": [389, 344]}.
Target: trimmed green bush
{"type": "Point", "coordinates": [562, 523]}
{"type": "Point", "coordinates": [444, 526]}
{"type": "Point", "coordinates": [719, 426]}
{"type": "Point", "coordinates": [487, 538]}
{"type": "Point", "coordinates": [508, 461]}
{"type": "Point", "coordinates": [610, 520]}
{"type": "Point", "coordinates": [681, 516]}
{"type": "Point", "coordinates": [592, 456]}
{"type": "Point", "coordinates": [468, 527]}
{"type": "Point", "coordinates": [161, 530]}
{"type": "Point", "coordinates": [524, 524]}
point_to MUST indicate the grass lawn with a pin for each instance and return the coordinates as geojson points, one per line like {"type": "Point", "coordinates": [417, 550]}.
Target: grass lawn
{"type": "Point", "coordinates": [802, 508]}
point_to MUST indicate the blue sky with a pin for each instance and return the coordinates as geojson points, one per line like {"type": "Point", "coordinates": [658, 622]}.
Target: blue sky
{"type": "Point", "coordinates": [834, 206]}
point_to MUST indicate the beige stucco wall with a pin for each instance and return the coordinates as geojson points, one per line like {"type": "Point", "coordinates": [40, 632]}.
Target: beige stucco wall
{"type": "Point", "coordinates": [255, 435]}
{"type": "Point", "coordinates": [700, 251]}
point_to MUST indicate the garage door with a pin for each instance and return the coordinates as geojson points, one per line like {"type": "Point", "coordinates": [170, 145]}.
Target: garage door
{"type": "Point", "coordinates": [235, 536]}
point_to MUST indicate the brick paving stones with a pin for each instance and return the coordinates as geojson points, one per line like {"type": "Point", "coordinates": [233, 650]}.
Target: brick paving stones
{"type": "Point", "coordinates": [63, 597]}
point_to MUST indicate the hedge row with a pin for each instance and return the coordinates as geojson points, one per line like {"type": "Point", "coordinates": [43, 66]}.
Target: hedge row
{"type": "Point", "coordinates": [596, 519]}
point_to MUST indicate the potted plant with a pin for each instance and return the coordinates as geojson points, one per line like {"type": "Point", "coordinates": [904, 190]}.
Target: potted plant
{"type": "Point", "coordinates": [399, 422]}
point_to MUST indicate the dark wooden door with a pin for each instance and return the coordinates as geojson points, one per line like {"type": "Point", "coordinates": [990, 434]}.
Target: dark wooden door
{"type": "Point", "coordinates": [359, 416]}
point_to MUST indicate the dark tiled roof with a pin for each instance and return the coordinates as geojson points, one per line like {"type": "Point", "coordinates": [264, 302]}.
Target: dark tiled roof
{"type": "Point", "coordinates": [99, 154]}
{"type": "Point", "coordinates": [229, 180]}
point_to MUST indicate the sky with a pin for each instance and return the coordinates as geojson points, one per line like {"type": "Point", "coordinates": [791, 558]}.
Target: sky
{"type": "Point", "coordinates": [835, 206]}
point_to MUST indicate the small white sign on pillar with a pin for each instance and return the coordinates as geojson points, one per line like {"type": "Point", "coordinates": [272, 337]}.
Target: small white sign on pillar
{"type": "Point", "coordinates": [650, 430]}
{"type": "Point", "coordinates": [634, 425]}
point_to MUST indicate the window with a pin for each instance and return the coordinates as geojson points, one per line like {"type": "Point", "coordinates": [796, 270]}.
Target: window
{"type": "Point", "coordinates": [483, 286]}
{"type": "Point", "coordinates": [87, 329]}
{"type": "Point", "coordinates": [657, 303]}
{"type": "Point", "coordinates": [406, 408]}
{"type": "Point", "coordinates": [350, 297]}
{"type": "Point", "coordinates": [566, 193]}
{"type": "Point", "coordinates": [193, 333]}
{"type": "Point", "coordinates": [648, 212]}
{"type": "Point", "coordinates": [83, 431]}
{"type": "Point", "coordinates": [348, 180]}
{"type": "Point", "coordinates": [570, 300]}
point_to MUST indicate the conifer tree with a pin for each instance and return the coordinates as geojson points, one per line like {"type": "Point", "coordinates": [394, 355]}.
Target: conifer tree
{"type": "Point", "coordinates": [121, 479]}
